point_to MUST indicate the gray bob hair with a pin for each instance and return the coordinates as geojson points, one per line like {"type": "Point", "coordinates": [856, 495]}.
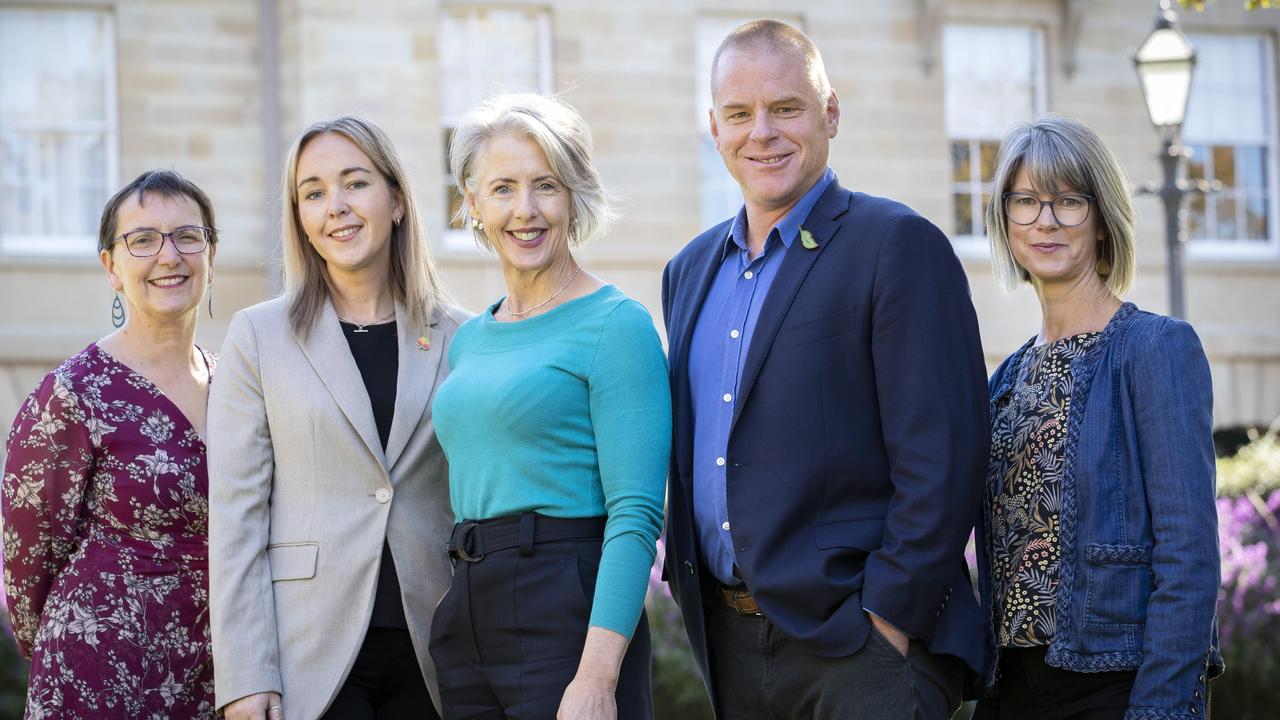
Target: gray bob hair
{"type": "Point", "coordinates": [414, 281]}
{"type": "Point", "coordinates": [564, 137]}
{"type": "Point", "coordinates": [1061, 152]}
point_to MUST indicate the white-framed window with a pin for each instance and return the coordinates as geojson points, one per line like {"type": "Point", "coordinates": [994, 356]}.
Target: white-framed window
{"type": "Point", "coordinates": [718, 193]}
{"type": "Point", "coordinates": [484, 51]}
{"type": "Point", "coordinates": [1231, 132]}
{"type": "Point", "coordinates": [58, 158]}
{"type": "Point", "coordinates": [994, 78]}
{"type": "Point", "coordinates": [719, 196]}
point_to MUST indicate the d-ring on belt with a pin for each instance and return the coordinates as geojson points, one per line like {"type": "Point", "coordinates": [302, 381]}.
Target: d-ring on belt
{"type": "Point", "coordinates": [472, 540]}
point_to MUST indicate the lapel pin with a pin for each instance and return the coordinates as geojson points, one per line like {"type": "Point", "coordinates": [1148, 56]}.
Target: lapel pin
{"type": "Point", "coordinates": [424, 344]}
{"type": "Point", "coordinates": [806, 239]}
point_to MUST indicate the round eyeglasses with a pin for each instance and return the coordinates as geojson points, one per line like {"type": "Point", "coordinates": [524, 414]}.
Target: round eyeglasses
{"type": "Point", "coordinates": [188, 240]}
{"type": "Point", "coordinates": [1067, 210]}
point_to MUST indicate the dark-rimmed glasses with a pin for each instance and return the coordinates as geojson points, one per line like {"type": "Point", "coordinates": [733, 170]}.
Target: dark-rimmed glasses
{"type": "Point", "coordinates": [1068, 210]}
{"type": "Point", "coordinates": [188, 240]}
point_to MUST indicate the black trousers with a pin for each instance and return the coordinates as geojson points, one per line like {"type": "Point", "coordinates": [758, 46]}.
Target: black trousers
{"type": "Point", "coordinates": [761, 674]}
{"type": "Point", "coordinates": [509, 633]}
{"type": "Point", "coordinates": [385, 683]}
{"type": "Point", "coordinates": [1028, 689]}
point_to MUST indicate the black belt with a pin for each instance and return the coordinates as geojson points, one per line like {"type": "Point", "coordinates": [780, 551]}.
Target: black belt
{"type": "Point", "coordinates": [472, 540]}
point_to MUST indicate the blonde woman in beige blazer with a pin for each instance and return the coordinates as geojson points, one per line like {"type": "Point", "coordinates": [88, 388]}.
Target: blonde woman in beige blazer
{"type": "Point", "coordinates": [328, 490]}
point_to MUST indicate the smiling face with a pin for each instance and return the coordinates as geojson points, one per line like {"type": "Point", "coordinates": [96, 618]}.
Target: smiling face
{"type": "Point", "coordinates": [168, 284]}
{"type": "Point", "coordinates": [525, 209]}
{"type": "Point", "coordinates": [346, 208]}
{"type": "Point", "coordinates": [1049, 251]}
{"type": "Point", "coordinates": [770, 125]}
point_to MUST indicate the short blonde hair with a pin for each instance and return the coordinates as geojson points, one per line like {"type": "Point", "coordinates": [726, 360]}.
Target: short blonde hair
{"type": "Point", "coordinates": [1060, 151]}
{"type": "Point", "coordinates": [414, 280]}
{"type": "Point", "coordinates": [564, 137]}
{"type": "Point", "coordinates": [776, 36]}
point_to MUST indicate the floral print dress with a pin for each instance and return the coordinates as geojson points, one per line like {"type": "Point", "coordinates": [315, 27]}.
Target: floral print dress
{"type": "Point", "coordinates": [105, 499]}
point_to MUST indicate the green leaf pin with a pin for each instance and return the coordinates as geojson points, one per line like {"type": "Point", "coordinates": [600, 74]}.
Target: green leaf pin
{"type": "Point", "coordinates": [806, 239]}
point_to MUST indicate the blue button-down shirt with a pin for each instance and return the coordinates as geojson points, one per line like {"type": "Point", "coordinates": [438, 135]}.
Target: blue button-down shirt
{"type": "Point", "coordinates": [716, 356]}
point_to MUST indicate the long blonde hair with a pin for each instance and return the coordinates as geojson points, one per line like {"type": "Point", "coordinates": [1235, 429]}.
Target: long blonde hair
{"type": "Point", "coordinates": [414, 280]}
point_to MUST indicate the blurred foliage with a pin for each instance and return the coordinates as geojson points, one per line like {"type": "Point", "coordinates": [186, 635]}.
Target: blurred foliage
{"type": "Point", "coordinates": [1249, 601]}
{"type": "Point", "coordinates": [1255, 468]}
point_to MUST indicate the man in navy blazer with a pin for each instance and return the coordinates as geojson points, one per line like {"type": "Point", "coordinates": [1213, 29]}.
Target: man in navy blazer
{"type": "Point", "coordinates": [831, 429]}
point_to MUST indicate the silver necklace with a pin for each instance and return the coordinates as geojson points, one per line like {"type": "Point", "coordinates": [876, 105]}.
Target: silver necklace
{"type": "Point", "coordinates": [361, 328]}
{"type": "Point", "coordinates": [554, 295]}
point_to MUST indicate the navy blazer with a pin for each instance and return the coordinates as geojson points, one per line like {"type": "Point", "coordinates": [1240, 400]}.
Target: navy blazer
{"type": "Point", "coordinates": [859, 441]}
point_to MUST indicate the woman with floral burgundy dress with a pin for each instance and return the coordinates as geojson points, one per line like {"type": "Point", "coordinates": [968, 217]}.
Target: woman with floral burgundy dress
{"type": "Point", "coordinates": [105, 487]}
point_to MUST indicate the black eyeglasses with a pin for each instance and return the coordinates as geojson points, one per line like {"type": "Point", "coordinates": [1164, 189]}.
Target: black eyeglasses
{"type": "Point", "coordinates": [188, 240]}
{"type": "Point", "coordinates": [1068, 210]}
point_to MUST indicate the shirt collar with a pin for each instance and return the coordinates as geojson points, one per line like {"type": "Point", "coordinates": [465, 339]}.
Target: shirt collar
{"type": "Point", "coordinates": [786, 229]}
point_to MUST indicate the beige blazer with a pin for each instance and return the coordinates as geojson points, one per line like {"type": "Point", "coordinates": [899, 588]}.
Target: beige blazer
{"type": "Point", "coordinates": [301, 496]}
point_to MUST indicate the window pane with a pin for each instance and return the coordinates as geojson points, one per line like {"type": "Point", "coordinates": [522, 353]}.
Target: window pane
{"type": "Point", "coordinates": [1227, 227]}
{"type": "Point", "coordinates": [998, 65]}
{"type": "Point", "coordinates": [988, 151]}
{"type": "Point", "coordinates": [1224, 165]}
{"type": "Point", "coordinates": [1251, 167]}
{"type": "Point", "coordinates": [1255, 218]}
{"type": "Point", "coordinates": [1195, 164]}
{"type": "Point", "coordinates": [455, 204]}
{"type": "Point", "coordinates": [963, 203]}
{"type": "Point", "coordinates": [61, 77]}
{"type": "Point", "coordinates": [960, 161]}
{"type": "Point", "coordinates": [1196, 227]}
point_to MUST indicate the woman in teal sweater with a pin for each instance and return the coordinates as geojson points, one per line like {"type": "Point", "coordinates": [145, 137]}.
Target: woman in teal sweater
{"type": "Point", "coordinates": [556, 421]}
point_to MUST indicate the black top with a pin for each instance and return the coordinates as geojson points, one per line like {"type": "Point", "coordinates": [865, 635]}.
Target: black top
{"type": "Point", "coordinates": [376, 351]}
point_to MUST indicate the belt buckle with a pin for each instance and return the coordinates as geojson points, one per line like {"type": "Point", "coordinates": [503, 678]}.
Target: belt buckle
{"type": "Point", "coordinates": [464, 536]}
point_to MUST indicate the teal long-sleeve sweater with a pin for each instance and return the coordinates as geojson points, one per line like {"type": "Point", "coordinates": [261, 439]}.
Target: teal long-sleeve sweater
{"type": "Point", "coordinates": [567, 414]}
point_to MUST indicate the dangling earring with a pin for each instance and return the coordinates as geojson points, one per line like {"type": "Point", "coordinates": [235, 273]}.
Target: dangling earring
{"type": "Point", "coordinates": [117, 312]}
{"type": "Point", "coordinates": [1103, 266]}
{"type": "Point", "coordinates": [476, 224]}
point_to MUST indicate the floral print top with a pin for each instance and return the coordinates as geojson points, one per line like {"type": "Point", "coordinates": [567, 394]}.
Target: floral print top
{"type": "Point", "coordinates": [105, 500]}
{"type": "Point", "coordinates": [1024, 491]}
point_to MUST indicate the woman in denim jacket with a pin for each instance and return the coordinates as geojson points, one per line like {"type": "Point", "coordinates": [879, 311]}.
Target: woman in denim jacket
{"type": "Point", "coordinates": [1098, 544]}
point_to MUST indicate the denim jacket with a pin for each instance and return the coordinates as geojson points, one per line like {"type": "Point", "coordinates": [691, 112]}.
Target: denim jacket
{"type": "Point", "coordinates": [1138, 575]}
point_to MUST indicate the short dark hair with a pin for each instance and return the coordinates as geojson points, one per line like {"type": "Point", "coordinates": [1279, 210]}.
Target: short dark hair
{"type": "Point", "coordinates": [165, 183]}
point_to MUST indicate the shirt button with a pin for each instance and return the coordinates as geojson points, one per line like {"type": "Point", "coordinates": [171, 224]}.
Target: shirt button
{"type": "Point", "coordinates": [728, 397]}
{"type": "Point", "coordinates": [720, 462]}
{"type": "Point", "coordinates": [734, 334]}
{"type": "Point", "coordinates": [725, 525]}
{"type": "Point", "coordinates": [748, 274]}
{"type": "Point", "coordinates": [383, 495]}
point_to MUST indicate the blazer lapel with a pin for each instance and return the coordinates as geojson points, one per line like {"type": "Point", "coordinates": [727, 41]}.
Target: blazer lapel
{"type": "Point", "coordinates": [327, 350]}
{"type": "Point", "coordinates": [824, 224]}
{"type": "Point", "coordinates": [686, 306]}
{"type": "Point", "coordinates": [415, 381]}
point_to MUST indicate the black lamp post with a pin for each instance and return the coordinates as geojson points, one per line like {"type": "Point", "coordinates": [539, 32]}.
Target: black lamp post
{"type": "Point", "coordinates": [1165, 61]}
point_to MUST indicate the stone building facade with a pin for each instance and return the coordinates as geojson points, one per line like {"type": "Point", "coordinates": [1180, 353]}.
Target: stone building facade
{"type": "Point", "coordinates": [105, 89]}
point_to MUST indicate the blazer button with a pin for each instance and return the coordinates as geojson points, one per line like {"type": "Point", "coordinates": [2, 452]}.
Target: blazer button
{"type": "Point", "coordinates": [688, 566]}
{"type": "Point", "coordinates": [383, 495]}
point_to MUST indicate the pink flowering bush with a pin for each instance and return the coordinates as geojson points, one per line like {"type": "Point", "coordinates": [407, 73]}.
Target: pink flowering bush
{"type": "Point", "coordinates": [1249, 601]}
